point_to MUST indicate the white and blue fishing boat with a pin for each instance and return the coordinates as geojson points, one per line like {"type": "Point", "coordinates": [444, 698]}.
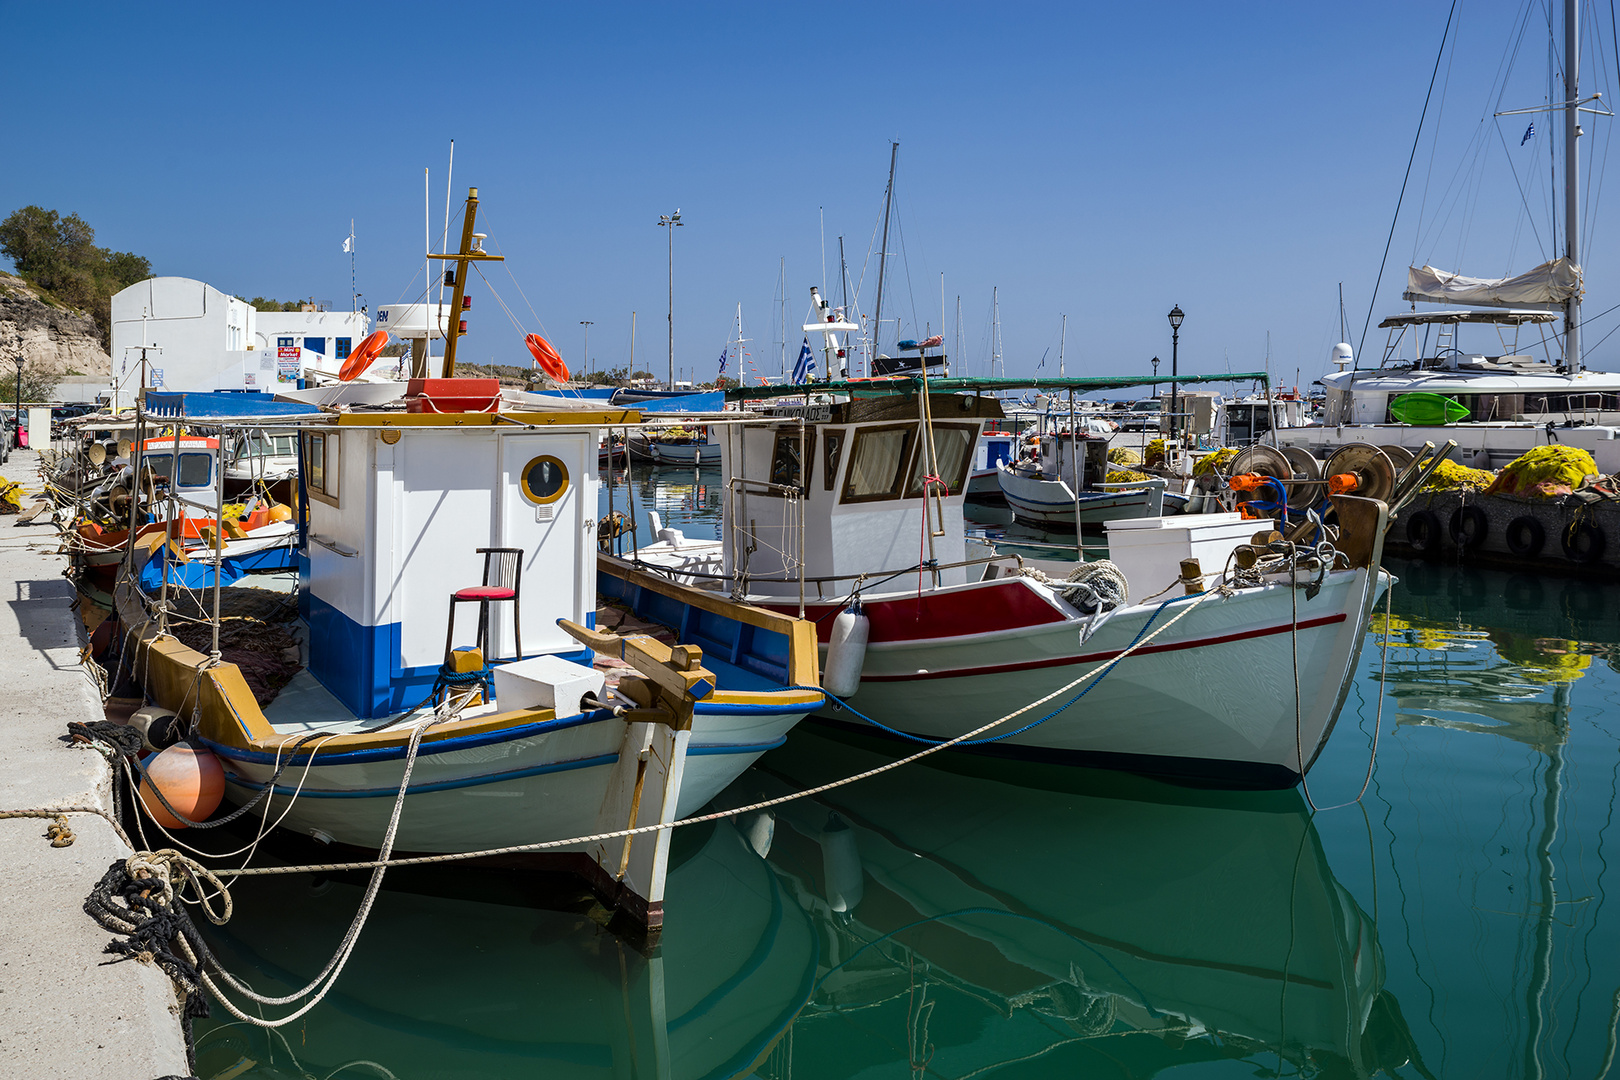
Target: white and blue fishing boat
{"type": "Point", "coordinates": [448, 594]}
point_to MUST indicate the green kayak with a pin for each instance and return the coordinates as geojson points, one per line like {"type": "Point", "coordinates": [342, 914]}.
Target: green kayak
{"type": "Point", "coordinates": [1427, 410]}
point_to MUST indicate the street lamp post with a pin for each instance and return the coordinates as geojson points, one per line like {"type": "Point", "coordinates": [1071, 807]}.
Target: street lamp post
{"type": "Point", "coordinates": [587, 324]}
{"type": "Point", "coordinates": [1176, 315]}
{"type": "Point", "coordinates": [1155, 378]}
{"type": "Point", "coordinates": [19, 360]}
{"type": "Point", "coordinates": [671, 222]}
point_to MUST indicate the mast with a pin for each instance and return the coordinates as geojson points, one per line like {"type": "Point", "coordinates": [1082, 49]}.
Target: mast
{"type": "Point", "coordinates": [1572, 182]}
{"type": "Point", "coordinates": [472, 250]}
{"type": "Point", "coordinates": [883, 255]}
{"type": "Point", "coordinates": [995, 331]}
{"type": "Point", "coordinates": [781, 284]}
{"type": "Point", "coordinates": [1063, 336]}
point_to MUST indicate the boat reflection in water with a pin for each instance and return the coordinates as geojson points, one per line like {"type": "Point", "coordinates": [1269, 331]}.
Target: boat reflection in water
{"type": "Point", "coordinates": [454, 987]}
{"type": "Point", "coordinates": [974, 920]}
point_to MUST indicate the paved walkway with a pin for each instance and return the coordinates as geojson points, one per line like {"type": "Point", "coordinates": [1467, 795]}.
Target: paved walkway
{"type": "Point", "coordinates": [65, 1011]}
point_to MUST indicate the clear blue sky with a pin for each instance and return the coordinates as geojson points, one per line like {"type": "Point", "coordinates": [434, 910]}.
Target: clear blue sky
{"type": "Point", "coordinates": [1105, 161]}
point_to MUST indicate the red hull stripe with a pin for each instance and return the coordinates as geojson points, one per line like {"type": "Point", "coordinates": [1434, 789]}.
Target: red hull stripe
{"type": "Point", "coordinates": [1089, 658]}
{"type": "Point", "coordinates": [948, 613]}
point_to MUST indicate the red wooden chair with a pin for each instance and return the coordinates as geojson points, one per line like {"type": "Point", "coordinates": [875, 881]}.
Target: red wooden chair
{"type": "Point", "coordinates": [503, 573]}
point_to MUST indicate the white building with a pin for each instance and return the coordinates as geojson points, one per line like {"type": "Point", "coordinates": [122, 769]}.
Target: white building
{"type": "Point", "coordinates": [198, 338]}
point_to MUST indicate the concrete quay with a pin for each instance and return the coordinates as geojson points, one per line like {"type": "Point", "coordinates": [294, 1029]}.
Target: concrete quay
{"type": "Point", "coordinates": [66, 1010]}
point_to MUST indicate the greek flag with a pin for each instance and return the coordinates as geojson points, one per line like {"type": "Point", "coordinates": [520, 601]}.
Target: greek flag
{"type": "Point", "coordinates": [1529, 133]}
{"type": "Point", "coordinates": [723, 354]}
{"type": "Point", "coordinates": [806, 365]}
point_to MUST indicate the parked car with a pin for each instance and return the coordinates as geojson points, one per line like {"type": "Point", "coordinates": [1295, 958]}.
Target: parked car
{"type": "Point", "coordinates": [1143, 416]}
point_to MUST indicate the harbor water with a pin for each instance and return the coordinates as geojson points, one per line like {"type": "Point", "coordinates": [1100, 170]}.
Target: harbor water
{"type": "Point", "coordinates": [961, 918]}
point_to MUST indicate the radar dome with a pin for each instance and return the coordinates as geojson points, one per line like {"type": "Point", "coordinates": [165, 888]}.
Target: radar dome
{"type": "Point", "coordinates": [1343, 354]}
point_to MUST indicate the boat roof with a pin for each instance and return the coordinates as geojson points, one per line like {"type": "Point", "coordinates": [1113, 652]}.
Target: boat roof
{"type": "Point", "coordinates": [1475, 381]}
{"type": "Point", "coordinates": [1510, 316]}
{"type": "Point", "coordinates": [910, 384]}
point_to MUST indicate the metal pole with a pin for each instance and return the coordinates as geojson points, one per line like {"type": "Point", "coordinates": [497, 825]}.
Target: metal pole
{"type": "Point", "coordinates": [1572, 183]}
{"type": "Point", "coordinates": [219, 538]}
{"type": "Point", "coordinates": [1074, 474]}
{"type": "Point", "coordinates": [883, 255]}
{"type": "Point", "coordinates": [804, 493]}
{"type": "Point", "coordinates": [587, 324]}
{"type": "Point", "coordinates": [670, 222]}
{"type": "Point", "coordinates": [1175, 370]}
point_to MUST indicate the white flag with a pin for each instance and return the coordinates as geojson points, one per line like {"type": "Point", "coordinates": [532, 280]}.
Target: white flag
{"type": "Point", "coordinates": [348, 244]}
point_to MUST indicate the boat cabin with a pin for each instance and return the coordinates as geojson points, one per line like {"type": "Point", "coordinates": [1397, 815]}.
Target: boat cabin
{"type": "Point", "coordinates": [399, 505]}
{"type": "Point", "coordinates": [837, 491]}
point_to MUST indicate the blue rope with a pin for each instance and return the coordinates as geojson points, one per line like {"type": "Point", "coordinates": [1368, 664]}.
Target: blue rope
{"type": "Point", "coordinates": [1034, 724]}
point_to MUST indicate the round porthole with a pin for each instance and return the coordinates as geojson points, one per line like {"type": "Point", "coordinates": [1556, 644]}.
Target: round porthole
{"type": "Point", "coordinates": [544, 480]}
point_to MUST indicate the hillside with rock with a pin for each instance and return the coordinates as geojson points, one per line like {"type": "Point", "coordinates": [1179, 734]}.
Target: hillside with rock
{"type": "Point", "coordinates": [54, 338]}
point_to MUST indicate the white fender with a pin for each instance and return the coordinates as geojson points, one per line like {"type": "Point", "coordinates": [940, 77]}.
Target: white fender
{"type": "Point", "coordinates": [846, 652]}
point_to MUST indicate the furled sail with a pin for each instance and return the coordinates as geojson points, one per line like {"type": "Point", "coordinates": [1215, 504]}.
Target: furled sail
{"type": "Point", "coordinates": [1550, 283]}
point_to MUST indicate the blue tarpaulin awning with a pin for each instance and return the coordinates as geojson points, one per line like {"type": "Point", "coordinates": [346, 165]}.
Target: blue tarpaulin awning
{"type": "Point", "coordinates": [225, 405]}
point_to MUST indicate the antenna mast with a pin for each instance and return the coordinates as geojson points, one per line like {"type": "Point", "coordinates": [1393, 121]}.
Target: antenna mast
{"type": "Point", "coordinates": [883, 255]}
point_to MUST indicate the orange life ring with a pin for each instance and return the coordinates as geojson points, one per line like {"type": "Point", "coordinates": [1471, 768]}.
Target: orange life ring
{"type": "Point", "coordinates": [545, 356]}
{"type": "Point", "coordinates": [361, 358]}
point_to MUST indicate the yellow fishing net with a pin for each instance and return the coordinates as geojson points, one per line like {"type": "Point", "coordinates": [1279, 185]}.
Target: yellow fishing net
{"type": "Point", "coordinates": [1451, 476]}
{"type": "Point", "coordinates": [1544, 472]}
{"type": "Point", "coordinates": [1218, 459]}
{"type": "Point", "coordinates": [1124, 455]}
{"type": "Point", "coordinates": [1153, 453]}
{"type": "Point", "coordinates": [1126, 476]}
{"type": "Point", "coordinates": [10, 496]}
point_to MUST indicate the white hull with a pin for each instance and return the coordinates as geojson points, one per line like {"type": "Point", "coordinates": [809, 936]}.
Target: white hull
{"type": "Point", "coordinates": [1051, 503]}
{"type": "Point", "coordinates": [685, 453]}
{"type": "Point", "coordinates": [549, 785]}
{"type": "Point", "coordinates": [1212, 698]}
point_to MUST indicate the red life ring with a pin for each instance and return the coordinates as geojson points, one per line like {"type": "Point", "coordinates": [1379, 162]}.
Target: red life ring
{"type": "Point", "coordinates": [361, 358]}
{"type": "Point", "coordinates": [546, 357]}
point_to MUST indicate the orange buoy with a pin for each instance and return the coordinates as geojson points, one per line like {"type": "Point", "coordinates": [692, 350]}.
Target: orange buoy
{"type": "Point", "coordinates": [191, 779]}
{"type": "Point", "coordinates": [281, 512]}
{"type": "Point", "coordinates": [546, 357]}
{"type": "Point", "coordinates": [362, 356]}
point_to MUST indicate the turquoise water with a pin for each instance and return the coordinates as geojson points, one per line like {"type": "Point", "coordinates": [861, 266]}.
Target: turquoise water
{"type": "Point", "coordinates": [969, 919]}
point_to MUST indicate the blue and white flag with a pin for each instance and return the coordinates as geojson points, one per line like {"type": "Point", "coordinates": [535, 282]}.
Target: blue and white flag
{"type": "Point", "coordinates": [1529, 133]}
{"type": "Point", "coordinates": [806, 365]}
{"type": "Point", "coordinates": [723, 354]}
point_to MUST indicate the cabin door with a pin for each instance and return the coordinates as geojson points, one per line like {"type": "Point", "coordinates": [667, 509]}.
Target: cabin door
{"type": "Point", "coordinates": [548, 506]}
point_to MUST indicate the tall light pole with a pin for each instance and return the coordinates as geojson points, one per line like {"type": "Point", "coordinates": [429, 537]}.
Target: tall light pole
{"type": "Point", "coordinates": [19, 360]}
{"type": "Point", "coordinates": [671, 222]}
{"type": "Point", "coordinates": [1155, 378]}
{"type": "Point", "coordinates": [587, 324]}
{"type": "Point", "coordinates": [1176, 315]}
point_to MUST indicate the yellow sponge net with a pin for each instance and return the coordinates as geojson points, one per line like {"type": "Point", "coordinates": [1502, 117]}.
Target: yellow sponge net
{"type": "Point", "coordinates": [1451, 476]}
{"type": "Point", "coordinates": [1124, 455]}
{"type": "Point", "coordinates": [1544, 472]}
{"type": "Point", "coordinates": [1153, 453]}
{"type": "Point", "coordinates": [1210, 462]}
{"type": "Point", "coordinates": [1127, 476]}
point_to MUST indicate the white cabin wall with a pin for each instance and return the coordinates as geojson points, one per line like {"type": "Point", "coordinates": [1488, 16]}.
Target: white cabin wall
{"type": "Point", "coordinates": [335, 578]}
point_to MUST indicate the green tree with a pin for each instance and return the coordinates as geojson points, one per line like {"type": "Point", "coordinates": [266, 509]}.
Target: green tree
{"type": "Point", "coordinates": [37, 385]}
{"type": "Point", "coordinates": [59, 254]}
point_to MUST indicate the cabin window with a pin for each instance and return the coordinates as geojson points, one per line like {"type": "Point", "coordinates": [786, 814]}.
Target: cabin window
{"type": "Point", "coordinates": [544, 479]}
{"type": "Point", "coordinates": [321, 466]}
{"type": "Point", "coordinates": [787, 470]}
{"type": "Point", "coordinates": [195, 468]}
{"type": "Point", "coordinates": [832, 451]}
{"type": "Point", "coordinates": [953, 449]}
{"type": "Point", "coordinates": [340, 347]}
{"type": "Point", "coordinates": [284, 343]}
{"type": "Point", "coordinates": [876, 463]}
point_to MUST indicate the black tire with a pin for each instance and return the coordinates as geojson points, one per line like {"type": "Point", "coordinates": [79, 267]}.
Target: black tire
{"type": "Point", "coordinates": [1468, 527]}
{"type": "Point", "coordinates": [1525, 536]}
{"type": "Point", "coordinates": [1423, 532]}
{"type": "Point", "coordinates": [1583, 541]}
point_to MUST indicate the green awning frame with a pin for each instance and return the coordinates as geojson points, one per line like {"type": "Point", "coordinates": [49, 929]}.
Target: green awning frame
{"type": "Point", "coordinates": [903, 385]}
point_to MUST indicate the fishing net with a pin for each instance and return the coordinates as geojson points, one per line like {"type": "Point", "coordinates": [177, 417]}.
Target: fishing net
{"type": "Point", "coordinates": [1124, 455]}
{"type": "Point", "coordinates": [11, 494]}
{"type": "Point", "coordinates": [1210, 462]}
{"type": "Point", "coordinates": [1153, 452]}
{"type": "Point", "coordinates": [1451, 476]}
{"type": "Point", "coordinates": [1545, 472]}
{"type": "Point", "coordinates": [1126, 476]}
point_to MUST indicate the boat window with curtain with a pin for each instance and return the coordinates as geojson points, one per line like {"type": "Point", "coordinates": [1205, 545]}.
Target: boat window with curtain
{"type": "Point", "coordinates": [876, 461]}
{"type": "Point", "coordinates": [953, 447]}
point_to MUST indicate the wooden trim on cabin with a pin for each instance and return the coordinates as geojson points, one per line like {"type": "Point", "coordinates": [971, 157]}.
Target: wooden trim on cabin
{"type": "Point", "coordinates": [331, 478]}
{"type": "Point", "coordinates": [602, 418]}
{"type": "Point", "coordinates": [804, 657]}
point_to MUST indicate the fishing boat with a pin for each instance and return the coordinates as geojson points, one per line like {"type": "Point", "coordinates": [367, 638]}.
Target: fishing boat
{"type": "Point", "coordinates": [1520, 381]}
{"type": "Point", "coordinates": [863, 509]}
{"type": "Point", "coordinates": [526, 720]}
{"type": "Point", "coordinates": [1063, 486]}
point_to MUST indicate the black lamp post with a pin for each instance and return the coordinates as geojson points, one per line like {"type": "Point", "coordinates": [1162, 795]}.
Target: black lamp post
{"type": "Point", "coordinates": [1176, 315]}
{"type": "Point", "coordinates": [1155, 378]}
{"type": "Point", "coordinates": [19, 361]}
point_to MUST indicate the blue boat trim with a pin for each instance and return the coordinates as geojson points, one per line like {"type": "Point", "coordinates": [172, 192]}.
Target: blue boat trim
{"type": "Point", "coordinates": [437, 785]}
{"type": "Point", "coordinates": [441, 746]}
{"type": "Point", "coordinates": [735, 748]}
{"type": "Point", "coordinates": [720, 708]}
